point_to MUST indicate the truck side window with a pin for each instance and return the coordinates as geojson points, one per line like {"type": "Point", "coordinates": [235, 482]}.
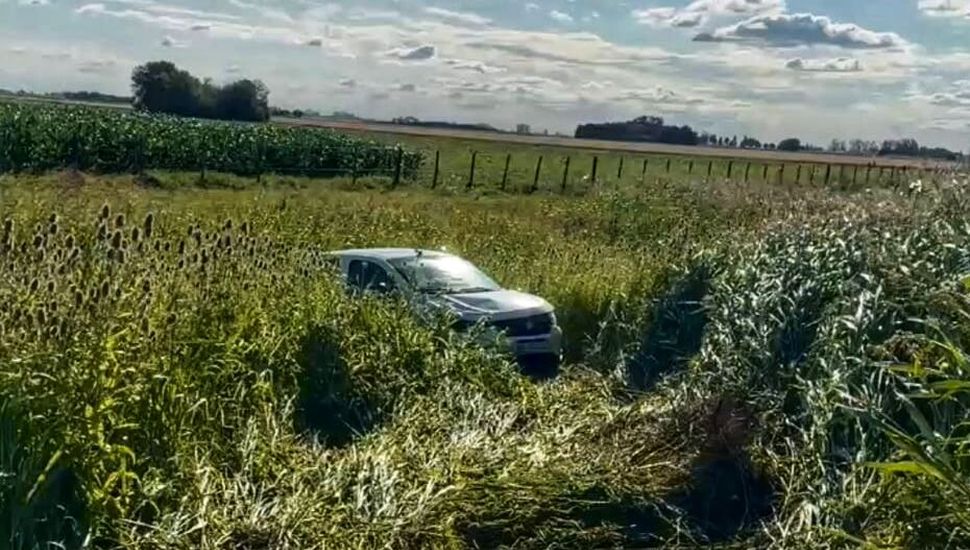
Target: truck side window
{"type": "Point", "coordinates": [369, 277]}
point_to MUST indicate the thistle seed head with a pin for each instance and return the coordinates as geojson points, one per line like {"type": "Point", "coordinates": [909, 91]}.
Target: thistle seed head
{"type": "Point", "coordinates": [149, 225]}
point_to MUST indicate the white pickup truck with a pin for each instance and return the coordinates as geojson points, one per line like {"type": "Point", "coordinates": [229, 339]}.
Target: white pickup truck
{"type": "Point", "coordinates": [431, 280]}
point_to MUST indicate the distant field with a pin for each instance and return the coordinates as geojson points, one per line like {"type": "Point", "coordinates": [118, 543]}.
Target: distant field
{"type": "Point", "coordinates": [614, 146]}
{"type": "Point", "coordinates": [615, 165]}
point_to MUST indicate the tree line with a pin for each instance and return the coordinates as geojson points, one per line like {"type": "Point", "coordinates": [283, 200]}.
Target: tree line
{"type": "Point", "coordinates": [645, 128]}
{"type": "Point", "coordinates": [652, 129]}
{"type": "Point", "coordinates": [161, 87]}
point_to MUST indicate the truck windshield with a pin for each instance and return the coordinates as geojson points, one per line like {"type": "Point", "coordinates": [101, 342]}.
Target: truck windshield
{"type": "Point", "coordinates": [443, 274]}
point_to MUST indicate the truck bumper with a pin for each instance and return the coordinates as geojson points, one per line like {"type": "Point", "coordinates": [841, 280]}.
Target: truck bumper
{"type": "Point", "coordinates": [546, 344]}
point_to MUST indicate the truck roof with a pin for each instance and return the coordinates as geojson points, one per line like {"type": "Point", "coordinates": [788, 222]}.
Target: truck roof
{"type": "Point", "coordinates": [387, 253]}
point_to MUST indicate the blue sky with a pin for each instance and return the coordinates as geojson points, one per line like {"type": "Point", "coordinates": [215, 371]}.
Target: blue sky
{"type": "Point", "coordinates": [772, 68]}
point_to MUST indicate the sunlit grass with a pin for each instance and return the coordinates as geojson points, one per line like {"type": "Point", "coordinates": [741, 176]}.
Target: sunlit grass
{"type": "Point", "coordinates": [179, 370]}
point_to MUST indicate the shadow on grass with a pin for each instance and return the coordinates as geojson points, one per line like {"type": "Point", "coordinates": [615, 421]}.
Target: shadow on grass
{"type": "Point", "coordinates": [726, 497]}
{"type": "Point", "coordinates": [41, 502]}
{"type": "Point", "coordinates": [726, 494]}
{"type": "Point", "coordinates": [539, 368]}
{"type": "Point", "coordinates": [675, 333]}
{"type": "Point", "coordinates": [330, 405]}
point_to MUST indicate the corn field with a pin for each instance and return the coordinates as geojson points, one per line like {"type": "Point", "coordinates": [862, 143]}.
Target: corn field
{"type": "Point", "coordinates": [35, 138]}
{"type": "Point", "coordinates": [747, 366]}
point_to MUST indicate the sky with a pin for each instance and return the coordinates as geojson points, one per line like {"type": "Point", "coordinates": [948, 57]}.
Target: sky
{"type": "Point", "coordinates": [870, 69]}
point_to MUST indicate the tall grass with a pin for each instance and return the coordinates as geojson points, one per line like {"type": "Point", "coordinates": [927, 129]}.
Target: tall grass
{"type": "Point", "coordinates": [178, 370]}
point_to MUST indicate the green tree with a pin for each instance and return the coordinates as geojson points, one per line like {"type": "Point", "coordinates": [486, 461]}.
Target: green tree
{"type": "Point", "coordinates": [161, 87]}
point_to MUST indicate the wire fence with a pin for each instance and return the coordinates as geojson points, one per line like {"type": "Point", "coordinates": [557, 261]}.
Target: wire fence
{"type": "Point", "coordinates": [530, 172]}
{"type": "Point", "coordinates": [526, 171]}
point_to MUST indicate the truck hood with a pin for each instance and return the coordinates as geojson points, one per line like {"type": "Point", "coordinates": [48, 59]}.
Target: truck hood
{"type": "Point", "coordinates": [497, 305]}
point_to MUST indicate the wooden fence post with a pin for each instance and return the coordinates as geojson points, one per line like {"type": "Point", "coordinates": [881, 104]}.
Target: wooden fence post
{"type": "Point", "coordinates": [398, 165]}
{"type": "Point", "coordinates": [710, 168]}
{"type": "Point", "coordinates": [565, 174]}
{"type": "Point", "coordinates": [535, 181]}
{"type": "Point", "coordinates": [140, 158]}
{"type": "Point", "coordinates": [75, 151]}
{"type": "Point", "coordinates": [505, 174]}
{"type": "Point", "coordinates": [747, 172]}
{"type": "Point", "coordinates": [437, 165]}
{"type": "Point", "coordinates": [855, 174]}
{"type": "Point", "coordinates": [643, 171]}
{"type": "Point", "coordinates": [781, 173]}
{"type": "Point", "coordinates": [259, 163]}
{"type": "Point", "coordinates": [764, 173]}
{"type": "Point", "coordinates": [592, 177]}
{"type": "Point", "coordinates": [619, 169]}
{"type": "Point", "coordinates": [868, 173]}
{"type": "Point", "coordinates": [798, 174]}
{"type": "Point", "coordinates": [471, 172]}
{"type": "Point", "coordinates": [690, 167]}
{"type": "Point", "coordinates": [730, 168]}
{"type": "Point", "coordinates": [668, 165]}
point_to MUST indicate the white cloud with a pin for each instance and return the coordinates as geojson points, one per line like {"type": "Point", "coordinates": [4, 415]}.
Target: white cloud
{"type": "Point", "coordinates": [956, 95]}
{"type": "Point", "coordinates": [457, 16]}
{"type": "Point", "coordinates": [91, 8]}
{"type": "Point", "coordinates": [170, 42]}
{"type": "Point", "coordinates": [802, 29]}
{"type": "Point", "coordinates": [474, 66]}
{"type": "Point", "coordinates": [420, 53]}
{"type": "Point", "coordinates": [945, 8]}
{"type": "Point", "coordinates": [657, 95]}
{"type": "Point", "coordinates": [560, 16]}
{"type": "Point", "coordinates": [839, 65]}
{"type": "Point", "coordinates": [699, 11]}
{"type": "Point", "coordinates": [668, 17]}
{"type": "Point", "coordinates": [271, 13]}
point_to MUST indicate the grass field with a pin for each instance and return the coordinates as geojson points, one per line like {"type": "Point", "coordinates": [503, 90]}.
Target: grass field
{"type": "Point", "coordinates": [617, 168]}
{"type": "Point", "coordinates": [517, 141]}
{"type": "Point", "coordinates": [760, 364]}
